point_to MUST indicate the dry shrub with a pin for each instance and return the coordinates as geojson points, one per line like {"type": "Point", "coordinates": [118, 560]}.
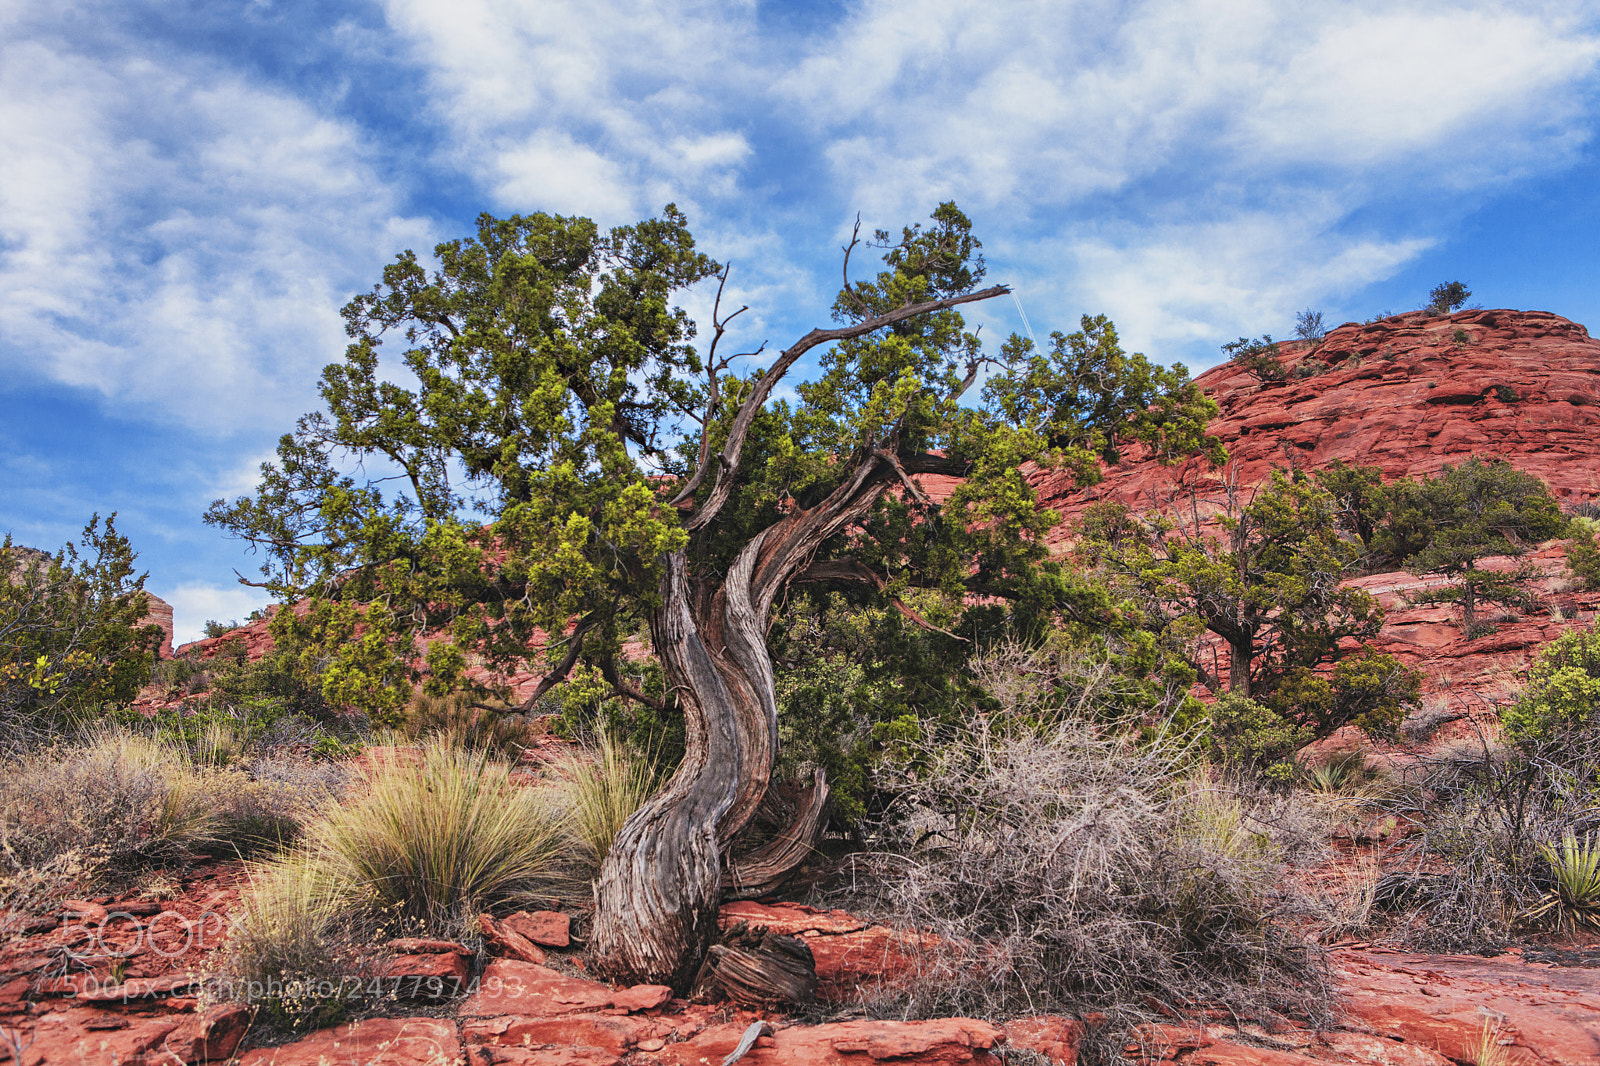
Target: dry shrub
{"type": "Point", "coordinates": [1487, 815]}
{"type": "Point", "coordinates": [1068, 871]}
{"type": "Point", "coordinates": [599, 787]}
{"type": "Point", "coordinates": [101, 808]}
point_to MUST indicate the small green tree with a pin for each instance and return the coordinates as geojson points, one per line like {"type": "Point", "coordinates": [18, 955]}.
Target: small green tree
{"type": "Point", "coordinates": [1258, 357]}
{"type": "Point", "coordinates": [1480, 510]}
{"type": "Point", "coordinates": [70, 636]}
{"type": "Point", "coordinates": [1447, 297]}
{"type": "Point", "coordinates": [1268, 585]}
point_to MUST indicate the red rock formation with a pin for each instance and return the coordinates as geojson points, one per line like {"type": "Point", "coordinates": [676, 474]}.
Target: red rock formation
{"type": "Point", "coordinates": [1404, 395]}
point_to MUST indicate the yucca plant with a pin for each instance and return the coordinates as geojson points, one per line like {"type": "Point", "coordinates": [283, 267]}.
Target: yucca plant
{"type": "Point", "coordinates": [438, 841]}
{"type": "Point", "coordinates": [1575, 870]}
{"type": "Point", "coordinates": [599, 787]}
{"type": "Point", "coordinates": [1335, 775]}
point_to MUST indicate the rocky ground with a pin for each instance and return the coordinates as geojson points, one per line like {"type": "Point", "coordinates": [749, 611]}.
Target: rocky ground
{"type": "Point", "coordinates": [115, 981]}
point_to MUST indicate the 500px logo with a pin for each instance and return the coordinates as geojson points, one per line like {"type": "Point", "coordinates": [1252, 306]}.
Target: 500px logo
{"type": "Point", "coordinates": [168, 934]}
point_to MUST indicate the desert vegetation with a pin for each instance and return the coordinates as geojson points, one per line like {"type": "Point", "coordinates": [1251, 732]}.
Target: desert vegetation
{"type": "Point", "coordinates": [1104, 768]}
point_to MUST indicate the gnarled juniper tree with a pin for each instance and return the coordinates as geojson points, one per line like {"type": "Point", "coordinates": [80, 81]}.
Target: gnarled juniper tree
{"type": "Point", "coordinates": [566, 459]}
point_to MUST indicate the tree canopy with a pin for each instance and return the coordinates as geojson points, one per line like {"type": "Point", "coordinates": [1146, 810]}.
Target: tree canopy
{"type": "Point", "coordinates": [562, 432]}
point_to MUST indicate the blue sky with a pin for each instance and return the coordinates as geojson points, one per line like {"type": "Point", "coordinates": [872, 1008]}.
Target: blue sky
{"type": "Point", "coordinates": [189, 191]}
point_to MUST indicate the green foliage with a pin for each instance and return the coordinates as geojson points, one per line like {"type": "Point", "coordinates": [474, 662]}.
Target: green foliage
{"type": "Point", "coordinates": [1575, 871]}
{"type": "Point", "coordinates": [1268, 586]}
{"type": "Point", "coordinates": [1370, 690]}
{"type": "Point", "coordinates": [1447, 297]}
{"type": "Point", "coordinates": [70, 636]}
{"type": "Point", "coordinates": [553, 387]}
{"type": "Point", "coordinates": [1257, 357]}
{"type": "Point", "coordinates": [1583, 554]}
{"type": "Point", "coordinates": [462, 722]}
{"type": "Point", "coordinates": [1558, 704]}
{"type": "Point", "coordinates": [214, 628]}
{"type": "Point", "coordinates": [1250, 737]}
{"type": "Point", "coordinates": [1481, 509]}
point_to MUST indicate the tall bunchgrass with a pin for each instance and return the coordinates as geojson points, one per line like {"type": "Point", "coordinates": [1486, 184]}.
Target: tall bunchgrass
{"type": "Point", "coordinates": [438, 841]}
{"type": "Point", "coordinates": [424, 845]}
{"type": "Point", "coordinates": [599, 787]}
{"type": "Point", "coordinates": [301, 945]}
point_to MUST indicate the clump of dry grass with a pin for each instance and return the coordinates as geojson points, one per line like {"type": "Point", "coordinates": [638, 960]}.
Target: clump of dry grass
{"type": "Point", "coordinates": [112, 803]}
{"type": "Point", "coordinates": [423, 848]}
{"type": "Point", "coordinates": [599, 787]}
{"type": "Point", "coordinates": [1066, 870]}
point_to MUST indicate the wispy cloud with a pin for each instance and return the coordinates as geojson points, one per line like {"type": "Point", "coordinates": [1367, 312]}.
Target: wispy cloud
{"type": "Point", "coordinates": [176, 237]}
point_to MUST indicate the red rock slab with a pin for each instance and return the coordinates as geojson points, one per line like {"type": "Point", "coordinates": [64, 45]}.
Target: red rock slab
{"type": "Point", "coordinates": [641, 997]}
{"type": "Point", "coordinates": [789, 919]}
{"type": "Point", "coordinates": [524, 1056]}
{"type": "Point", "coordinates": [510, 987]}
{"type": "Point", "coordinates": [616, 1033]}
{"type": "Point", "coordinates": [1440, 1002]}
{"type": "Point", "coordinates": [85, 911]}
{"type": "Point", "coordinates": [547, 928]}
{"type": "Point", "coordinates": [868, 958]}
{"type": "Point", "coordinates": [372, 1042]}
{"type": "Point", "coordinates": [137, 988]}
{"type": "Point", "coordinates": [508, 943]}
{"type": "Point", "coordinates": [1057, 1039]}
{"type": "Point", "coordinates": [940, 1042]}
{"type": "Point", "coordinates": [1376, 1051]}
{"type": "Point", "coordinates": [213, 1035]}
{"type": "Point", "coordinates": [87, 1035]}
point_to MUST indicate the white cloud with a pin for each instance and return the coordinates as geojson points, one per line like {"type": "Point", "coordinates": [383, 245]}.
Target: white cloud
{"type": "Point", "coordinates": [195, 604]}
{"type": "Point", "coordinates": [177, 238]}
{"type": "Point", "coordinates": [610, 109]}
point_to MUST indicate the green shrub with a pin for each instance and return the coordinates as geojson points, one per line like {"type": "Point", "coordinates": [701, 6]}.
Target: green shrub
{"type": "Point", "coordinates": [1250, 737]}
{"type": "Point", "coordinates": [463, 721]}
{"type": "Point", "coordinates": [1258, 358]}
{"type": "Point", "coordinates": [72, 638]}
{"type": "Point", "coordinates": [1558, 704]}
{"type": "Point", "coordinates": [1583, 554]}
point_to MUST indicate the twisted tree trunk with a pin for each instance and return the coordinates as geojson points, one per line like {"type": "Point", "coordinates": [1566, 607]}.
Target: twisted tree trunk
{"type": "Point", "coordinates": [660, 884]}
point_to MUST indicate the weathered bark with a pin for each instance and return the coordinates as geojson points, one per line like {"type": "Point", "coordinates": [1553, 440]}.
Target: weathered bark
{"type": "Point", "coordinates": [769, 866]}
{"type": "Point", "coordinates": [656, 898]}
{"type": "Point", "coordinates": [657, 894]}
{"type": "Point", "coordinates": [758, 969]}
